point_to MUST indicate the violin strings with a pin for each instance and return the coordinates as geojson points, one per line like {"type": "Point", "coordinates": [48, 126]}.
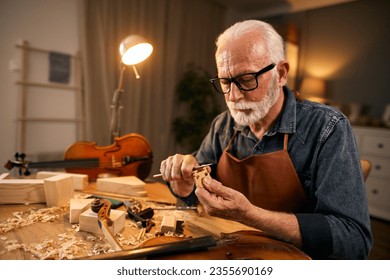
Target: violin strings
{"type": "Point", "coordinates": [82, 163]}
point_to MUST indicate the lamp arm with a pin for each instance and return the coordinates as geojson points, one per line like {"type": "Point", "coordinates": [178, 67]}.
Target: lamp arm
{"type": "Point", "coordinates": [116, 107]}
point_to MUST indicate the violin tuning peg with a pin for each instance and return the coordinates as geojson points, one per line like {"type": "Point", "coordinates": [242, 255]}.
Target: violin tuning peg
{"type": "Point", "coordinates": [27, 173]}
{"type": "Point", "coordinates": [16, 156]}
{"type": "Point", "coordinates": [22, 156]}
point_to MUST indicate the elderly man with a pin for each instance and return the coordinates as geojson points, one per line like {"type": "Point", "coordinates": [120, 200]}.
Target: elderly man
{"type": "Point", "coordinates": [283, 165]}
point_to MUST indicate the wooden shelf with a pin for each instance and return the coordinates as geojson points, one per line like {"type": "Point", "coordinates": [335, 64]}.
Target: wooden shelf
{"type": "Point", "coordinates": [26, 47]}
{"type": "Point", "coordinates": [26, 82]}
{"type": "Point", "coordinates": [63, 120]}
{"type": "Point", "coordinates": [32, 84]}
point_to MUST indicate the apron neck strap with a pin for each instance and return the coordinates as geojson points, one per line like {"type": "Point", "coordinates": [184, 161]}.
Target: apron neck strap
{"type": "Point", "coordinates": [285, 142]}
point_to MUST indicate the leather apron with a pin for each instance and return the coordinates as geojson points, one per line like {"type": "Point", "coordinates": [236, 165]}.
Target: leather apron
{"type": "Point", "coordinates": [267, 180]}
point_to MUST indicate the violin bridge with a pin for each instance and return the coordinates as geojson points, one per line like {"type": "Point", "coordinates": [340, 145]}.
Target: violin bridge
{"type": "Point", "coordinates": [115, 163]}
{"type": "Point", "coordinates": [199, 175]}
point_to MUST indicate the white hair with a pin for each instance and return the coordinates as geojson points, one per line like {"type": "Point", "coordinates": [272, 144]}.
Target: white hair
{"type": "Point", "coordinates": [270, 39]}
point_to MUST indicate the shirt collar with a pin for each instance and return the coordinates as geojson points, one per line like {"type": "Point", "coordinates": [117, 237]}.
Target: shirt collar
{"type": "Point", "coordinates": [288, 118]}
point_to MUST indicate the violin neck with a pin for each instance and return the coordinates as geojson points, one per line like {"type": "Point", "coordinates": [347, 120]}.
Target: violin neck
{"type": "Point", "coordinates": [72, 163]}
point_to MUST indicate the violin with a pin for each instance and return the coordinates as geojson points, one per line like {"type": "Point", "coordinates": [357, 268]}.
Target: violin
{"type": "Point", "coordinates": [129, 155]}
{"type": "Point", "coordinates": [239, 245]}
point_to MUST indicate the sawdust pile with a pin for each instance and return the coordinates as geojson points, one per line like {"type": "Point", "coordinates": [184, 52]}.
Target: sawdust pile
{"type": "Point", "coordinates": [71, 244]}
{"type": "Point", "coordinates": [21, 219]}
{"type": "Point", "coordinates": [66, 245]}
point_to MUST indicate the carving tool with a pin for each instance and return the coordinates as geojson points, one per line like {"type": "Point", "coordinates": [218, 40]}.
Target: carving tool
{"type": "Point", "coordinates": [195, 168]}
{"type": "Point", "coordinates": [175, 208]}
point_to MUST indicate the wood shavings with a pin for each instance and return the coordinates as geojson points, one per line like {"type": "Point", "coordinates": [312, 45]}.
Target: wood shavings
{"type": "Point", "coordinates": [64, 247]}
{"type": "Point", "coordinates": [21, 219]}
{"type": "Point", "coordinates": [13, 245]}
{"type": "Point", "coordinates": [91, 238]}
{"type": "Point", "coordinates": [174, 234]}
{"type": "Point", "coordinates": [101, 249]}
{"type": "Point", "coordinates": [72, 243]}
{"type": "Point", "coordinates": [67, 245]}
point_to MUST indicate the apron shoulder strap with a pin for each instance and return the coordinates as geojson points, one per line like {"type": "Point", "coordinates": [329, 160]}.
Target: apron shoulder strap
{"type": "Point", "coordinates": [285, 142]}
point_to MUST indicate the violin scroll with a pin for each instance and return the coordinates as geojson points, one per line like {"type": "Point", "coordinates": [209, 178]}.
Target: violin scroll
{"type": "Point", "coordinates": [102, 207]}
{"type": "Point", "coordinates": [20, 163]}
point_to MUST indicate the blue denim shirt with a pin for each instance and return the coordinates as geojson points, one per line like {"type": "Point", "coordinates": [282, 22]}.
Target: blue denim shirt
{"type": "Point", "coordinates": [323, 150]}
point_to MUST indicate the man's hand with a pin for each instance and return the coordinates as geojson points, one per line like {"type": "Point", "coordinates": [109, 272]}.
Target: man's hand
{"type": "Point", "coordinates": [177, 169]}
{"type": "Point", "coordinates": [227, 203]}
{"type": "Point", "coordinates": [222, 201]}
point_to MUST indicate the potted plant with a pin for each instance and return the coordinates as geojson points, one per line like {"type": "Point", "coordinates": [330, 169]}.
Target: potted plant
{"type": "Point", "coordinates": [195, 93]}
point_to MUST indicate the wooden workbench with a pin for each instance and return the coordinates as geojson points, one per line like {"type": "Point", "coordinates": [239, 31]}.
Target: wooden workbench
{"type": "Point", "coordinates": [35, 231]}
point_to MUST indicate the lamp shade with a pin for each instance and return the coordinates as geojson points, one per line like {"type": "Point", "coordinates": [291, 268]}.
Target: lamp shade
{"type": "Point", "coordinates": [313, 89]}
{"type": "Point", "coordinates": [134, 49]}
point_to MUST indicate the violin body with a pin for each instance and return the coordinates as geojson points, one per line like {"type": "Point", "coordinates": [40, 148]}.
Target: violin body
{"type": "Point", "coordinates": [239, 245]}
{"type": "Point", "coordinates": [129, 155]}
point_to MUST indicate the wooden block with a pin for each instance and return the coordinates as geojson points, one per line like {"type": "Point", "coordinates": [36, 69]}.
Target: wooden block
{"type": "Point", "coordinates": [128, 185]}
{"type": "Point", "coordinates": [88, 221]}
{"type": "Point", "coordinates": [168, 224]}
{"type": "Point", "coordinates": [78, 206]}
{"type": "Point", "coordinates": [58, 190]}
{"type": "Point", "coordinates": [80, 181]}
{"type": "Point", "coordinates": [21, 191]}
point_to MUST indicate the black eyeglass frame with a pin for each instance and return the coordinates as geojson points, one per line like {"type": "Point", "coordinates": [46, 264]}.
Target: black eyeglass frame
{"type": "Point", "coordinates": [234, 79]}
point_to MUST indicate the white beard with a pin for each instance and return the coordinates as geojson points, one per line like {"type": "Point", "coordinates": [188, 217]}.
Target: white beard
{"type": "Point", "coordinates": [259, 109]}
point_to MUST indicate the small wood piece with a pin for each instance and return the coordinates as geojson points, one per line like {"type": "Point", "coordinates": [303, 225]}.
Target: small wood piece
{"type": "Point", "coordinates": [80, 181]}
{"type": "Point", "coordinates": [109, 236]}
{"type": "Point", "coordinates": [141, 234]}
{"type": "Point", "coordinates": [199, 175]}
{"type": "Point", "coordinates": [78, 206]}
{"type": "Point", "coordinates": [88, 221]}
{"type": "Point", "coordinates": [21, 191]}
{"type": "Point", "coordinates": [128, 185]}
{"type": "Point", "coordinates": [58, 190]}
{"type": "Point", "coordinates": [168, 224]}
{"type": "Point", "coordinates": [200, 209]}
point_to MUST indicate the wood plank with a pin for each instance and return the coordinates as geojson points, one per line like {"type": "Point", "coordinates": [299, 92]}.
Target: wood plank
{"type": "Point", "coordinates": [159, 192]}
{"type": "Point", "coordinates": [128, 185]}
{"type": "Point", "coordinates": [80, 181]}
{"type": "Point", "coordinates": [21, 191]}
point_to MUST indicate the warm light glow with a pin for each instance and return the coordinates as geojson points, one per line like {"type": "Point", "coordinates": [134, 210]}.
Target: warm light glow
{"type": "Point", "coordinates": [292, 55]}
{"type": "Point", "coordinates": [134, 49]}
{"type": "Point", "coordinates": [313, 87]}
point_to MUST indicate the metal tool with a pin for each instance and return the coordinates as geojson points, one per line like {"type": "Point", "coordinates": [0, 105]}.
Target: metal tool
{"type": "Point", "coordinates": [141, 217]}
{"type": "Point", "coordinates": [195, 168]}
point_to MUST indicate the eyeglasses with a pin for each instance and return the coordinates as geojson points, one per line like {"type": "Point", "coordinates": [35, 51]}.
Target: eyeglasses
{"type": "Point", "coordinates": [245, 82]}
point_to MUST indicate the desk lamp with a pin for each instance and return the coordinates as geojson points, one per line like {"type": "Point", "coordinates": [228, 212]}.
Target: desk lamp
{"type": "Point", "coordinates": [133, 50]}
{"type": "Point", "coordinates": [313, 89]}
